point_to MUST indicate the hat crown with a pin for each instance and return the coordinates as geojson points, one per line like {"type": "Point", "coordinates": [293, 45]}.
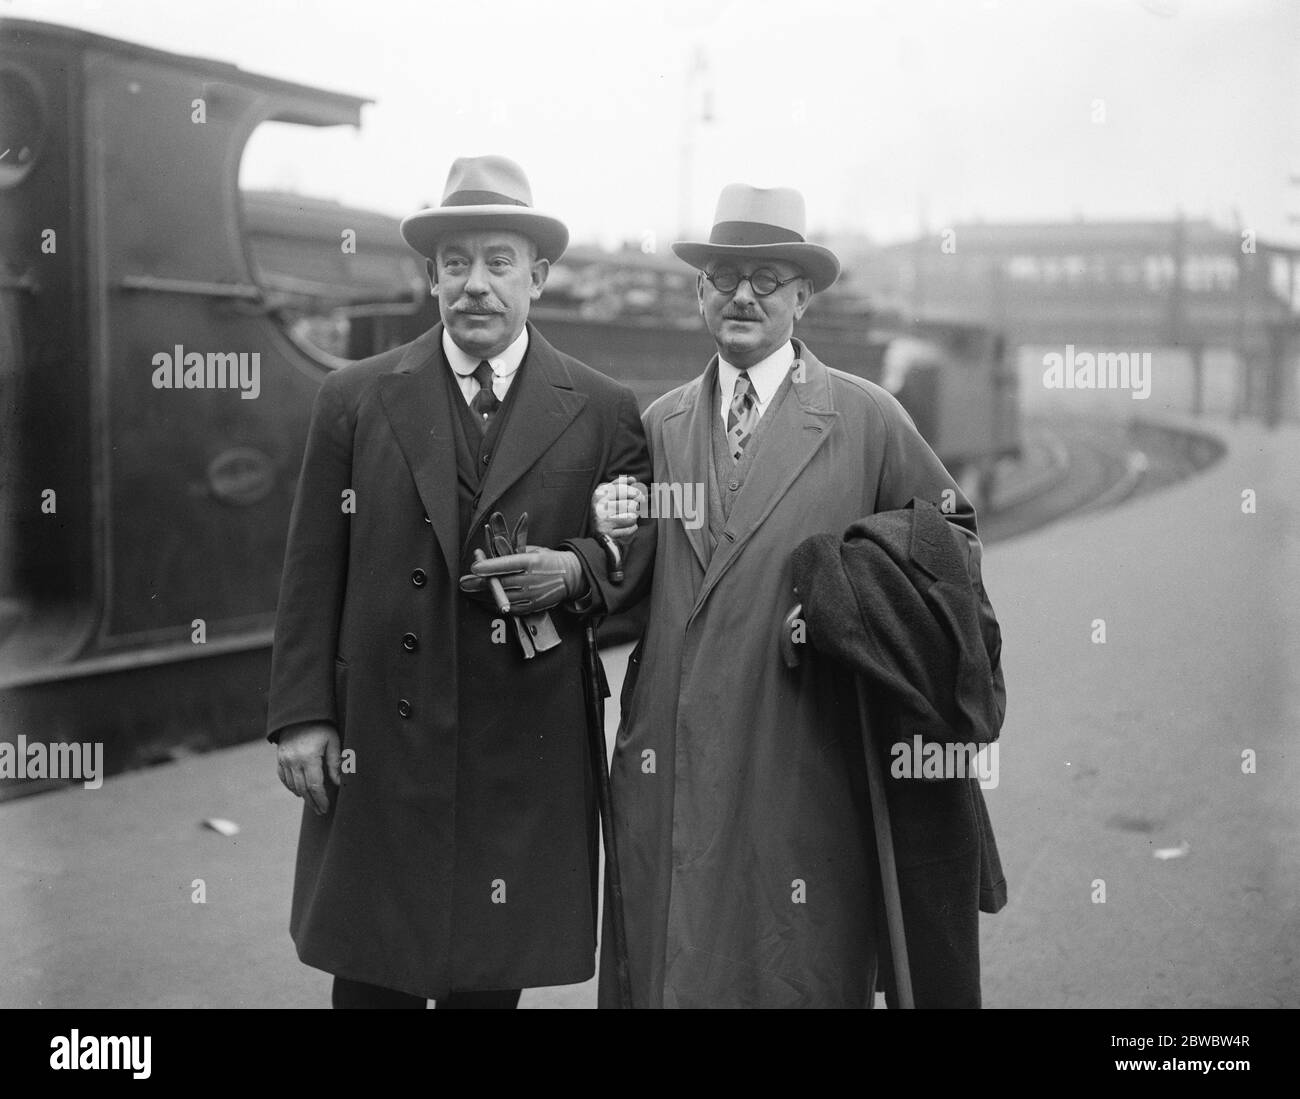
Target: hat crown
{"type": "Point", "coordinates": [761, 222]}
{"type": "Point", "coordinates": [486, 180]}
{"type": "Point", "coordinates": [486, 193]}
{"type": "Point", "coordinates": [779, 207]}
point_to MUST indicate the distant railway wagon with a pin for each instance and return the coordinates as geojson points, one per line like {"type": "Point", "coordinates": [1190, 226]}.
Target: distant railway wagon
{"type": "Point", "coordinates": [163, 334]}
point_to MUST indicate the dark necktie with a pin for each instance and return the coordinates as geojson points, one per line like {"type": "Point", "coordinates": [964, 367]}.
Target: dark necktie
{"type": "Point", "coordinates": [485, 402]}
{"type": "Point", "coordinates": [742, 418]}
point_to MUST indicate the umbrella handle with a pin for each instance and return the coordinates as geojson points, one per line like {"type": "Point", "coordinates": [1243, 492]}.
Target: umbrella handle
{"type": "Point", "coordinates": [613, 558]}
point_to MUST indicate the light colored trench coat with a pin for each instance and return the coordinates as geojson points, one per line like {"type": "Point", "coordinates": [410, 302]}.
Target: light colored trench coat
{"type": "Point", "coordinates": [741, 815]}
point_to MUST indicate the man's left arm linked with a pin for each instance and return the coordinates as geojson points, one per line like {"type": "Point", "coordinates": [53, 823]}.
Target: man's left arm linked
{"type": "Point", "coordinates": [627, 454]}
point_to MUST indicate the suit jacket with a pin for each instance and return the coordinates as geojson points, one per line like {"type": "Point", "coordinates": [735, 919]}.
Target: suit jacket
{"type": "Point", "coordinates": [740, 795]}
{"type": "Point", "coordinates": [894, 602]}
{"type": "Point", "coordinates": [460, 849]}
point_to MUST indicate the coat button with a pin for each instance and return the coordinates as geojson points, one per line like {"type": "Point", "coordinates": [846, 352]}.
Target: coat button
{"type": "Point", "coordinates": [409, 642]}
{"type": "Point", "coordinates": [428, 520]}
{"type": "Point", "coordinates": [733, 485]}
{"type": "Point", "coordinates": [485, 458]}
{"type": "Point", "coordinates": [418, 578]}
{"type": "Point", "coordinates": [403, 708]}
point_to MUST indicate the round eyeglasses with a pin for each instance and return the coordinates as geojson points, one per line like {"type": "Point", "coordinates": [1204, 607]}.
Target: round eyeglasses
{"type": "Point", "coordinates": [764, 281]}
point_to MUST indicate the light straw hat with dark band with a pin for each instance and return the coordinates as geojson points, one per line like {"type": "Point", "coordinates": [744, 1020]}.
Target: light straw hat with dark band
{"type": "Point", "coordinates": [762, 222]}
{"type": "Point", "coordinates": [486, 192]}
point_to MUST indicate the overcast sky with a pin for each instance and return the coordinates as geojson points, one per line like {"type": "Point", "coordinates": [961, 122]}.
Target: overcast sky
{"type": "Point", "coordinates": [880, 112]}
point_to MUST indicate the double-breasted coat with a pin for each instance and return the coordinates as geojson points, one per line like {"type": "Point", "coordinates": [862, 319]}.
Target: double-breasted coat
{"type": "Point", "coordinates": [460, 850]}
{"type": "Point", "coordinates": [740, 806]}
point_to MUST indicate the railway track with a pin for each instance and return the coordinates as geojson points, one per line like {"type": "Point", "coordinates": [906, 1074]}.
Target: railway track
{"type": "Point", "coordinates": [1074, 465]}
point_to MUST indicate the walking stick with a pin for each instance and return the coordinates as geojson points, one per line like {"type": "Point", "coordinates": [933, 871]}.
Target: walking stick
{"type": "Point", "coordinates": [604, 793]}
{"type": "Point", "coordinates": [885, 849]}
{"type": "Point", "coordinates": [879, 817]}
{"type": "Point", "coordinates": [604, 798]}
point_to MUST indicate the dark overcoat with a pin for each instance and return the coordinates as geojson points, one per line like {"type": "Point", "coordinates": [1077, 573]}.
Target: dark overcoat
{"type": "Point", "coordinates": [741, 814]}
{"type": "Point", "coordinates": [894, 602]}
{"type": "Point", "coordinates": [460, 850]}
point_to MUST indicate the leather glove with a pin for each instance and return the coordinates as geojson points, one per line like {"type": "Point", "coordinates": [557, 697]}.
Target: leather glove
{"type": "Point", "coordinates": [535, 580]}
{"type": "Point", "coordinates": [500, 541]}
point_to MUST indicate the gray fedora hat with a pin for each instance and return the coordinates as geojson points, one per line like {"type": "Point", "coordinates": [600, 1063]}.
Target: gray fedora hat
{"type": "Point", "coordinates": [766, 222]}
{"type": "Point", "coordinates": [486, 192]}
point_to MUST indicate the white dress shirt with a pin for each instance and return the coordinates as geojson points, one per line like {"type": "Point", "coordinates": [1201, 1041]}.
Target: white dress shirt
{"type": "Point", "coordinates": [503, 366]}
{"type": "Point", "coordinates": [766, 378]}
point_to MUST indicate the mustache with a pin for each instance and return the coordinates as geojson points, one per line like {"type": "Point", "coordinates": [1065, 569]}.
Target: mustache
{"type": "Point", "coordinates": [477, 309]}
{"type": "Point", "coordinates": [742, 315]}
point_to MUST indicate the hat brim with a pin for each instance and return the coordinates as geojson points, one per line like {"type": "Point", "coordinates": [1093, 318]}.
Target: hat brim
{"type": "Point", "coordinates": [423, 230]}
{"type": "Point", "coordinates": [820, 264]}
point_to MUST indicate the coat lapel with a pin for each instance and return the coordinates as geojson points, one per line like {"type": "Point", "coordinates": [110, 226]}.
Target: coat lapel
{"type": "Point", "coordinates": [542, 409]}
{"type": "Point", "coordinates": [803, 423]}
{"type": "Point", "coordinates": [415, 402]}
{"type": "Point", "coordinates": [688, 446]}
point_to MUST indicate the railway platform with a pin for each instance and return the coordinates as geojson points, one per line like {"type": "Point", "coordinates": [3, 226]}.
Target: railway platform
{"type": "Point", "coordinates": [1146, 807]}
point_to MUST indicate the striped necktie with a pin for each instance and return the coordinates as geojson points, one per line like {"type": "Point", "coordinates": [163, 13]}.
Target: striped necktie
{"type": "Point", "coordinates": [743, 416]}
{"type": "Point", "coordinates": [485, 402]}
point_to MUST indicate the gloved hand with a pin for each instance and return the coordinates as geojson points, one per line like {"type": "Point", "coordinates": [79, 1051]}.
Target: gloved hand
{"type": "Point", "coordinates": [535, 580]}
{"type": "Point", "coordinates": [499, 541]}
{"type": "Point", "coordinates": [616, 506]}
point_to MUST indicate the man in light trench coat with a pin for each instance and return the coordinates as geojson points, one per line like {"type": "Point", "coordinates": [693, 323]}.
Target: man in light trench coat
{"type": "Point", "coordinates": [742, 822]}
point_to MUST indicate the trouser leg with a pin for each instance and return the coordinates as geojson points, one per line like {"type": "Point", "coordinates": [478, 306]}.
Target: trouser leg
{"type": "Point", "coordinates": [358, 994]}
{"type": "Point", "coordinates": [501, 1001]}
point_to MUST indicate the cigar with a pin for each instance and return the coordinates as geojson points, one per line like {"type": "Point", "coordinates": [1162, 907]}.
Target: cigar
{"type": "Point", "coordinates": [498, 592]}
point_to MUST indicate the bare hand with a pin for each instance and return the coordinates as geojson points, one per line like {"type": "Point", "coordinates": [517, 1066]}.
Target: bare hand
{"type": "Point", "coordinates": [617, 505]}
{"type": "Point", "coordinates": [303, 756]}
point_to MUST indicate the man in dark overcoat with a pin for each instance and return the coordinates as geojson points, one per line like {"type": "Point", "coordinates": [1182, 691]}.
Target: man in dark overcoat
{"type": "Point", "coordinates": [449, 842]}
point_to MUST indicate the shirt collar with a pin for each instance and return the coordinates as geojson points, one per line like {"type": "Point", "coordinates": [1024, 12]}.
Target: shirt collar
{"type": "Point", "coordinates": [503, 365]}
{"type": "Point", "coordinates": [765, 376]}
